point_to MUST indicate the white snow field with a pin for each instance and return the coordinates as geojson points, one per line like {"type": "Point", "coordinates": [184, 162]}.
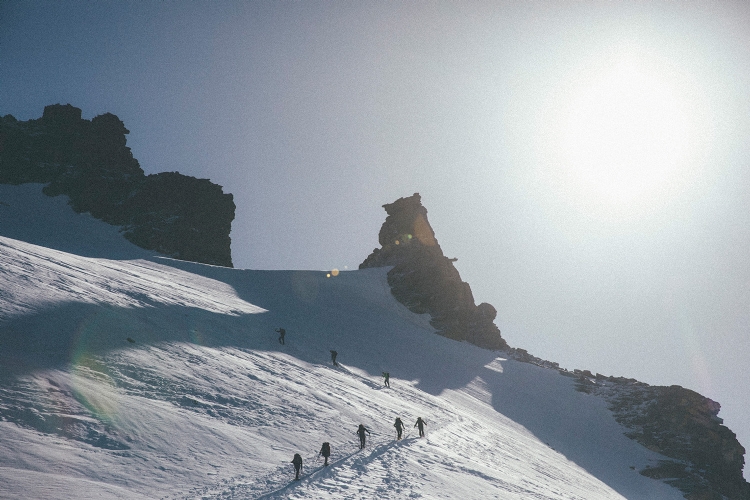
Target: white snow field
{"type": "Point", "coordinates": [155, 378]}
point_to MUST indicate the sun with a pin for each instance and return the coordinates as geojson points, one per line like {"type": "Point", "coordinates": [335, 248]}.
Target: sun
{"type": "Point", "coordinates": [626, 132]}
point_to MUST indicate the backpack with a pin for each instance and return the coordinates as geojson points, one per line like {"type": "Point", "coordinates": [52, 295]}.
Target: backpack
{"type": "Point", "coordinates": [326, 450]}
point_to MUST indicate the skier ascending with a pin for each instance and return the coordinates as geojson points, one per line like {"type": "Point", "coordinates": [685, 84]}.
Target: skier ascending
{"type": "Point", "coordinates": [399, 425]}
{"type": "Point", "coordinates": [326, 452]}
{"type": "Point", "coordinates": [333, 357]}
{"type": "Point", "coordinates": [297, 462]}
{"type": "Point", "coordinates": [282, 332]}
{"type": "Point", "coordinates": [361, 433]}
{"type": "Point", "coordinates": [420, 423]}
{"type": "Point", "coordinates": [387, 379]}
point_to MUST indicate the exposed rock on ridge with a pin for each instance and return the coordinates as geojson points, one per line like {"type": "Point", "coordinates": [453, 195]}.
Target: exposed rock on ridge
{"type": "Point", "coordinates": [682, 425]}
{"type": "Point", "coordinates": [426, 281]}
{"type": "Point", "coordinates": [704, 458]}
{"type": "Point", "coordinates": [88, 160]}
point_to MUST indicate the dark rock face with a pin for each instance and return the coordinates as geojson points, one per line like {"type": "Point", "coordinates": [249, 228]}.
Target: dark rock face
{"type": "Point", "coordinates": [425, 281]}
{"type": "Point", "coordinates": [176, 215]}
{"type": "Point", "coordinates": [682, 425]}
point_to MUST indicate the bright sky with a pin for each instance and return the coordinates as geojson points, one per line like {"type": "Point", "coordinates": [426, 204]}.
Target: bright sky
{"type": "Point", "coordinates": [585, 161]}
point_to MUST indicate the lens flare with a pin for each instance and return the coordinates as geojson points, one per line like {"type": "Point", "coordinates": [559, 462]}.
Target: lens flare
{"type": "Point", "coordinates": [196, 336]}
{"type": "Point", "coordinates": [92, 383]}
{"type": "Point", "coordinates": [423, 231]}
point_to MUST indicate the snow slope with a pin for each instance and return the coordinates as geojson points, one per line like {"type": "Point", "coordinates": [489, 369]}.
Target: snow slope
{"type": "Point", "coordinates": [154, 378]}
{"type": "Point", "coordinates": [29, 215]}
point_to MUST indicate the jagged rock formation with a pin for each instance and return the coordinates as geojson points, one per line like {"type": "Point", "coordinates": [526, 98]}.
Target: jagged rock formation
{"type": "Point", "coordinates": [682, 425]}
{"type": "Point", "coordinates": [88, 160]}
{"type": "Point", "coordinates": [426, 281]}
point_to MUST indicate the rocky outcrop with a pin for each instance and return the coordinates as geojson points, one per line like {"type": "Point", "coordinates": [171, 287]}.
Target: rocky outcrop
{"type": "Point", "coordinates": [89, 161]}
{"type": "Point", "coordinates": [426, 281]}
{"type": "Point", "coordinates": [706, 460]}
{"type": "Point", "coordinates": [703, 457]}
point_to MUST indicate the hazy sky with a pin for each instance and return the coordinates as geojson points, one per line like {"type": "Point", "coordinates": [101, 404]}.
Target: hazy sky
{"type": "Point", "coordinates": [587, 162]}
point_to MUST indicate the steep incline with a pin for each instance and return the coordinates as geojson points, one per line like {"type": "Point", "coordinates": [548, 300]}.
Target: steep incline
{"type": "Point", "coordinates": [148, 379]}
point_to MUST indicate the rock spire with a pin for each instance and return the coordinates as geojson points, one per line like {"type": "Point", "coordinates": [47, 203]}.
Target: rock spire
{"type": "Point", "coordinates": [426, 281]}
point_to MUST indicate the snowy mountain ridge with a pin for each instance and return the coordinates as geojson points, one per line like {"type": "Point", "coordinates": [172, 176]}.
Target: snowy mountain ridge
{"type": "Point", "coordinates": [155, 378]}
{"type": "Point", "coordinates": [199, 416]}
{"type": "Point", "coordinates": [705, 458]}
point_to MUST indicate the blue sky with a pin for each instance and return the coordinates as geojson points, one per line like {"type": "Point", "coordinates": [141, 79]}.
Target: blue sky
{"type": "Point", "coordinates": [586, 162]}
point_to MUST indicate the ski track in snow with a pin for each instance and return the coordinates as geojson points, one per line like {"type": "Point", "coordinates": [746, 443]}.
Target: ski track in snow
{"type": "Point", "coordinates": [206, 404]}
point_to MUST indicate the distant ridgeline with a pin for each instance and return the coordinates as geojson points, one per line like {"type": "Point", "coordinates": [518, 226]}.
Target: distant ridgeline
{"type": "Point", "coordinates": [88, 160]}
{"type": "Point", "coordinates": [705, 460]}
{"type": "Point", "coordinates": [426, 281]}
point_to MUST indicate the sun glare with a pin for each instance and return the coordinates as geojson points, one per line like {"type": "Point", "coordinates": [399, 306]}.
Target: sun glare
{"type": "Point", "coordinates": [627, 133]}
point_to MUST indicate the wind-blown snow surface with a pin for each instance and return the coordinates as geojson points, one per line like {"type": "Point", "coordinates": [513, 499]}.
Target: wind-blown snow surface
{"type": "Point", "coordinates": [154, 378]}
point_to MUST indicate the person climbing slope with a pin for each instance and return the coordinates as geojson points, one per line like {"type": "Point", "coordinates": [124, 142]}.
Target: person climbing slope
{"type": "Point", "coordinates": [361, 433]}
{"type": "Point", "coordinates": [387, 379]}
{"type": "Point", "coordinates": [297, 462]}
{"type": "Point", "coordinates": [333, 357]}
{"type": "Point", "coordinates": [399, 425]}
{"type": "Point", "coordinates": [282, 332]}
{"type": "Point", "coordinates": [326, 452]}
{"type": "Point", "coordinates": [420, 423]}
